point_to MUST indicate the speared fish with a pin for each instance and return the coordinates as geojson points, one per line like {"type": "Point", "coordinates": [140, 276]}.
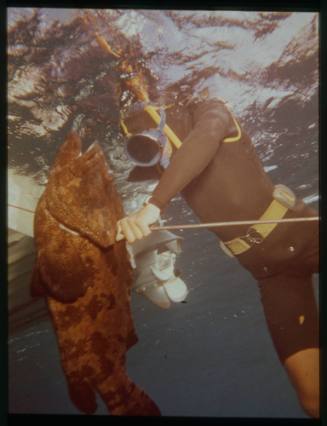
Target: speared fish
{"type": "Point", "coordinates": [86, 278]}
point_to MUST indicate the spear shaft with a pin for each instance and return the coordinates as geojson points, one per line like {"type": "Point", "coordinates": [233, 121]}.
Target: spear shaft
{"type": "Point", "coordinates": [234, 223]}
{"type": "Point", "coordinates": [215, 224]}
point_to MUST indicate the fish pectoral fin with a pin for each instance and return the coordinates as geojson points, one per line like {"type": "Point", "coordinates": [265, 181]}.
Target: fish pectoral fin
{"type": "Point", "coordinates": [64, 276]}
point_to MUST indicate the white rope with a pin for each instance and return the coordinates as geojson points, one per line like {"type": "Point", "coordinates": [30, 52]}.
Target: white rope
{"type": "Point", "coordinates": [21, 208]}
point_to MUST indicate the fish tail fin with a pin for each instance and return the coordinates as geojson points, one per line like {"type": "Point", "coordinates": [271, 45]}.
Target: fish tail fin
{"type": "Point", "coordinates": [125, 398]}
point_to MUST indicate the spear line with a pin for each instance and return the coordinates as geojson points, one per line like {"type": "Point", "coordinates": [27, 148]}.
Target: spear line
{"type": "Point", "coordinates": [214, 224]}
{"type": "Point", "coordinates": [235, 223]}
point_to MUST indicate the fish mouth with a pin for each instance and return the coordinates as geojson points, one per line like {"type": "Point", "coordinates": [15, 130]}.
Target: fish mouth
{"type": "Point", "coordinates": [91, 147]}
{"type": "Point", "coordinates": [94, 158]}
{"type": "Point", "coordinates": [86, 159]}
{"type": "Point", "coordinates": [76, 148]}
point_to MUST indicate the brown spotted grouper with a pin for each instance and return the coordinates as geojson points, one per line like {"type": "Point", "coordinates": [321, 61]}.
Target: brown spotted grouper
{"type": "Point", "coordinates": [86, 278]}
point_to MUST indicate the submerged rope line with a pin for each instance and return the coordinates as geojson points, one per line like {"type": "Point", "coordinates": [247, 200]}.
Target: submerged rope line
{"type": "Point", "coordinates": [21, 208]}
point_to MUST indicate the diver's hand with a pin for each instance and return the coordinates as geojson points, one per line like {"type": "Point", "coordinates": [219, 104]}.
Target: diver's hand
{"type": "Point", "coordinates": [137, 225]}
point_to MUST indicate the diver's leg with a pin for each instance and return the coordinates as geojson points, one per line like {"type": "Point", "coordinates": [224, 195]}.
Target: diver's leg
{"type": "Point", "coordinates": [292, 318]}
{"type": "Point", "coordinates": [303, 371]}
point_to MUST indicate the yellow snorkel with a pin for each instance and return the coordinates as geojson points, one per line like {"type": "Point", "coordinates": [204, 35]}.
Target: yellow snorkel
{"type": "Point", "coordinates": [134, 83]}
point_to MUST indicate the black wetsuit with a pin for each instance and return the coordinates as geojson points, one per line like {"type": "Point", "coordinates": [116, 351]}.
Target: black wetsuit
{"type": "Point", "coordinates": [225, 182]}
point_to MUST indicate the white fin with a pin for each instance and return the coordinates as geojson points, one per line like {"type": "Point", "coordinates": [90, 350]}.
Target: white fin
{"type": "Point", "coordinates": [176, 289]}
{"type": "Point", "coordinates": [158, 296]}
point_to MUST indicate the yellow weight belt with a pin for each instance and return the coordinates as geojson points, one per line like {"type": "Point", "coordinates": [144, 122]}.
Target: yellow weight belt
{"type": "Point", "coordinates": [257, 233]}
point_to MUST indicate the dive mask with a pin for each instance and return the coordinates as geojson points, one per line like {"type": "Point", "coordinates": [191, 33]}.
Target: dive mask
{"type": "Point", "coordinates": [150, 147]}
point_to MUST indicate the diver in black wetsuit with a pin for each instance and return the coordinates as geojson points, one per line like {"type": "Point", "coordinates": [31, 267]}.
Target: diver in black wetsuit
{"type": "Point", "coordinates": [221, 177]}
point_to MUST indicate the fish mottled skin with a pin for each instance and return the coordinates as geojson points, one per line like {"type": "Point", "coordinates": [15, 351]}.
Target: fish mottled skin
{"type": "Point", "coordinates": [86, 278]}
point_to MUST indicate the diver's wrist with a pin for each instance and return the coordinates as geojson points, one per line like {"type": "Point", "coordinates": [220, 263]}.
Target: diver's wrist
{"type": "Point", "coordinates": [153, 200]}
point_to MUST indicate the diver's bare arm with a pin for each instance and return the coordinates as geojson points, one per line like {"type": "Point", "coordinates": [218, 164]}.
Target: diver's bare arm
{"type": "Point", "coordinates": [198, 148]}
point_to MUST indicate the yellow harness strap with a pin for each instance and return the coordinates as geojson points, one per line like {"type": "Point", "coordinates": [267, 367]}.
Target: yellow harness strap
{"type": "Point", "coordinates": [124, 128]}
{"type": "Point", "coordinates": [172, 137]}
{"type": "Point", "coordinates": [275, 211]}
{"type": "Point", "coordinates": [234, 138]}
